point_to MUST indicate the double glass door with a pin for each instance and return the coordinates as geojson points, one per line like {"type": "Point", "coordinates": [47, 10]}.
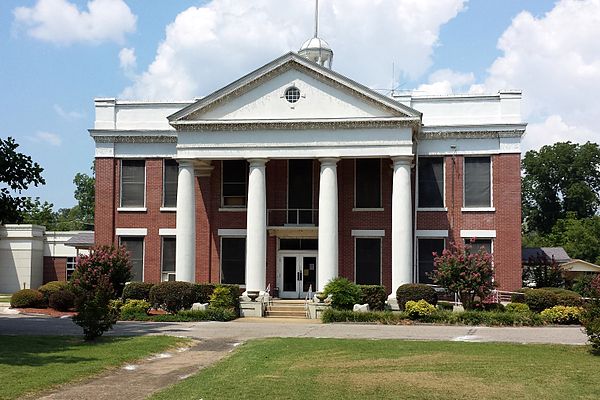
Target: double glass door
{"type": "Point", "coordinates": [297, 273]}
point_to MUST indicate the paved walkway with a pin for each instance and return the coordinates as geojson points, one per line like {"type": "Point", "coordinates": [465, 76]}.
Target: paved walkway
{"type": "Point", "coordinates": [249, 328]}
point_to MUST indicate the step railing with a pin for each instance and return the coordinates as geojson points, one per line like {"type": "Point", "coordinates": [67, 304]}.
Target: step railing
{"type": "Point", "coordinates": [307, 297]}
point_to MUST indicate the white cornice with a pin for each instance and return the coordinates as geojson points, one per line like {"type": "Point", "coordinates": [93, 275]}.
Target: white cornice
{"type": "Point", "coordinates": [472, 131]}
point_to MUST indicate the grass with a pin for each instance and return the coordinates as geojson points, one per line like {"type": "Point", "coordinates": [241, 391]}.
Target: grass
{"type": "Point", "coordinates": [393, 369]}
{"type": "Point", "coordinates": [5, 298]}
{"type": "Point", "coordinates": [34, 363]}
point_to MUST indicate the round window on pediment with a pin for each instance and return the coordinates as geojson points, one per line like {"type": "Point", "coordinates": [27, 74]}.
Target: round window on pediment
{"type": "Point", "coordinates": [292, 94]}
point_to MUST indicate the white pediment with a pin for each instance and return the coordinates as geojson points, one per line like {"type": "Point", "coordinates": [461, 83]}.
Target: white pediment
{"type": "Point", "coordinates": [324, 95]}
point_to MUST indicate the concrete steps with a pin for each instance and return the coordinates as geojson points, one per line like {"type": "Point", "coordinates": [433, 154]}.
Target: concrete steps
{"type": "Point", "coordinates": [286, 309]}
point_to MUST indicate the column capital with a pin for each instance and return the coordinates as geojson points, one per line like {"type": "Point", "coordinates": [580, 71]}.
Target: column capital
{"type": "Point", "coordinates": [185, 162]}
{"type": "Point", "coordinates": [258, 162]}
{"type": "Point", "coordinates": [402, 160]}
{"type": "Point", "coordinates": [329, 161]}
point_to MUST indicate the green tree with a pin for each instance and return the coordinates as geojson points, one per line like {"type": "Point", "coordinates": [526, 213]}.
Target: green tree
{"type": "Point", "coordinates": [85, 195]}
{"type": "Point", "coordinates": [17, 173]}
{"type": "Point", "coordinates": [561, 178]}
{"type": "Point", "coordinates": [38, 213]}
{"type": "Point", "coordinates": [579, 237]}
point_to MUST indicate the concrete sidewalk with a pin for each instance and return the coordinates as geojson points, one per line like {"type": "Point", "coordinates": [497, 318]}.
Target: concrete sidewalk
{"type": "Point", "coordinates": [247, 328]}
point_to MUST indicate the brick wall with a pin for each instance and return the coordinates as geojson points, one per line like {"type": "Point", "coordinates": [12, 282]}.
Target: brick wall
{"type": "Point", "coordinates": [55, 269]}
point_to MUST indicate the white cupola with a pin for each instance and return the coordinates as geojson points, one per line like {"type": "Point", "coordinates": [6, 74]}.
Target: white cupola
{"type": "Point", "coordinates": [316, 49]}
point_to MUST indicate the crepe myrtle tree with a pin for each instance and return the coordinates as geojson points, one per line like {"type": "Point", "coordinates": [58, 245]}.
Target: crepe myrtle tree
{"type": "Point", "coordinates": [466, 272]}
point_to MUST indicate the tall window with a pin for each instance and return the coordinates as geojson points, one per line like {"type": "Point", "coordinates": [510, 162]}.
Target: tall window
{"type": "Point", "coordinates": [478, 182]}
{"type": "Point", "coordinates": [431, 182]}
{"type": "Point", "coordinates": [170, 173]}
{"type": "Point", "coordinates": [235, 177]}
{"type": "Point", "coordinates": [479, 243]}
{"type": "Point", "coordinates": [426, 248]}
{"type": "Point", "coordinates": [368, 261]}
{"type": "Point", "coordinates": [168, 259]}
{"type": "Point", "coordinates": [71, 262]}
{"type": "Point", "coordinates": [133, 183]}
{"type": "Point", "coordinates": [135, 247]}
{"type": "Point", "coordinates": [368, 183]}
{"type": "Point", "coordinates": [233, 260]}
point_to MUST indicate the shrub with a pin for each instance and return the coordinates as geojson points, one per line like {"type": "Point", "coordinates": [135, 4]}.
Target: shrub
{"type": "Point", "coordinates": [26, 298]}
{"type": "Point", "coordinates": [133, 308]}
{"type": "Point", "coordinates": [225, 298]}
{"type": "Point", "coordinates": [98, 279]}
{"type": "Point", "coordinates": [415, 292]}
{"type": "Point", "coordinates": [373, 295]}
{"type": "Point", "coordinates": [445, 305]}
{"type": "Point", "coordinates": [563, 315]}
{"type": "Point", "coordinates": [331, 315]}
{"type": "Point", "coordinates": [467, 273]}
{"type": "Point", "coordinates": [540, 299]}
{"type": "Point", "coordinates": [344, 294]}
{"type": "Point", "coordinates": [53, 287]}
{"type": "Point", "coordinates": [497, 307]}
{"type": "Point", "coordinates": [517, 308]}
{"type": "Point", "coordinates": [62, 300]}
{"type": "Point", "coordinates": [567, 297]}
{"type": "Point", "coordinates": [137, 291]}
{"type": "Point", "coordinates": [202, 292]}
{"type": "Point", "coordinates": [518, 295]}
{"type": "Point", "coordinates": [187, 316]}
{"type": "Point", "coordinates": [418, 309]}
{"type": "Point", "coordinates": [590, 319]}
{"type": "Point", "coordinates": [172, 296]}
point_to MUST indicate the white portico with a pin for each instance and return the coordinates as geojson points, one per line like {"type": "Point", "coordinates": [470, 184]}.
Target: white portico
{"type": "Point", "coordinates": [293, 108]}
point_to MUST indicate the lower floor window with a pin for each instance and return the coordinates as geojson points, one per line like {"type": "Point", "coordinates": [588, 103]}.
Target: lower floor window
{"type": "Point", "coordinates": [368, 261]}
{"type": "Point", "coordinates": [233, 261]}
{"type": "Point", "coordinates": [135, 247]}
{"type": "Point", "coordinates": [426, 248]}
{"type": "Point", "coordinates": [168, 259]}
{"type": "Point", "coordinates": [477, 244]}
{"type": "Point", "coordinates": [71, 261]}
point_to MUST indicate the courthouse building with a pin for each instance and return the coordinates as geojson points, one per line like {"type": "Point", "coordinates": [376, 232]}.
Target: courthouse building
{"type": "Point", "coordinates": [295, 174]}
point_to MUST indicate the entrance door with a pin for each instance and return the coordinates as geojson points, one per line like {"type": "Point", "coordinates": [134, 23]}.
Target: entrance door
{"type": "Point", "coordinates": [297, 273]}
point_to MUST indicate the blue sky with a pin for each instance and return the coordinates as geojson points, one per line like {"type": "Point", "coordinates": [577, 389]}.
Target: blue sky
{"type": "Point", "coordinates": [57, 55]}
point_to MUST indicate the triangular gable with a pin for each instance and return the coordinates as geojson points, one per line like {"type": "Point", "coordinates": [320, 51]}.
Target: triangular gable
{"type": "Point", "coordinates": [581, 266]}
{"type": "Point", "coordinates": [293, 62]}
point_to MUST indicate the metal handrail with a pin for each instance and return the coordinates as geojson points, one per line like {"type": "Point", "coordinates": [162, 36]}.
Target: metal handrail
{"type": "Point", "coordinates": [306, 297]}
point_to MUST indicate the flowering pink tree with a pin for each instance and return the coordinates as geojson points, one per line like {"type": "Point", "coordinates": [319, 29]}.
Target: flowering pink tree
{"type": "Point", "coordinates": [467, 273]}
{"type": "Point", "coordinates": [99, 278]}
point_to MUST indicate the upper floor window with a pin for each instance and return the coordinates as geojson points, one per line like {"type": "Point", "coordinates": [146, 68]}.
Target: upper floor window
{"type": "Point", "coordinates": [368, 183]}
{"type": "Point", "coordinates": [478, 182]}
{"type": "Point", "coordinates": [170, 174]}
{"type": "Point", "coordinates": [235, 178]}
{"type": "Point", "coordinates": [133, 183]}
{"type": "Point", "coordinates": [431, 182]}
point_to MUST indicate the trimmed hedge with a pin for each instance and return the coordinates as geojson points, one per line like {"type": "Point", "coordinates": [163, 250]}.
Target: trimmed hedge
{"type": "Point", "coordinates": [185, 316]}
{"type": "Point", "coordinates": [564, 315]}
{"type": "Point", "coordinates": [53, 287]}
{"type": "Point", "coordinates": [28, 298]}
{"type": "Point", "coordinates": [566, 297]}
{"type": "Point", "coordinates": [419, 309]}
{"type": "Point", "coordinates": [517, 307]}
{"type": "Point", "coordinates": [415, 292]}
{"type": "Point", "coordinates": [373, 295]}
{"type": "Point", "coordinates": [63, 300]}
{"type": "Point", "coordinates": [382, 317]}
{"type": "Point", "coordinates": [540, 299]}
{"type": "Point", "coordinates": [137, 291]}
{"type": "Point", "coordinates": [172, 296]}
{"type": "Point", "coordinates": [203, 291]}
{"type": "Point", "coordinates": [344, 293]}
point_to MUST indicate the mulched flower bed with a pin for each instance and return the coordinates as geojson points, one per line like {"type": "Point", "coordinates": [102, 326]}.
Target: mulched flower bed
{"type": "Point", "coordinates": [46, 311]}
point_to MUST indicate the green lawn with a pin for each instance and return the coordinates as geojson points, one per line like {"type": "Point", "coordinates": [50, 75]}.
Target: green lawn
{"type": "Point", "coordinates": [5, 298]}
{"type": "Point", "coordinates": [33, 363]}
{"type": "Point", "coordinates": [393, 369]}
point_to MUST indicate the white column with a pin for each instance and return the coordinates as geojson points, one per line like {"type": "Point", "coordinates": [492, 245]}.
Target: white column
{"type": "Point", "coordinates": [185, 245]}
{"type": "Point", "coordinates": [327, 264]}
{"type": "Point", "coordinates": [256, 227]}
{"type": "Point", "coordinates": [402, 248]}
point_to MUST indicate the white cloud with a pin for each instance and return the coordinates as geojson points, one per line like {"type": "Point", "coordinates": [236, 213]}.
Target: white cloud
{"type": "Point", "coordinates": [61, 22]}
{"type": "Point", "coordinates": [46, 138]}
{"type": "Point", "coordinates": [127, 59]}
{"type": "Point", "coordinates": [555, 60]}
{"type": "Point", "coordinates": [446, 81]}
{"type": "Point", "coordinates": [209, 46]}
{"type": "Point", "coordinates": [68, 115]}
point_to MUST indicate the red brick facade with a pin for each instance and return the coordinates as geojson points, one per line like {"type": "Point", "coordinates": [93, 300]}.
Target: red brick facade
{"type": "Point", "coordinates": [210, 217]}
{"type": "Point", "coordinates": [55, 269]}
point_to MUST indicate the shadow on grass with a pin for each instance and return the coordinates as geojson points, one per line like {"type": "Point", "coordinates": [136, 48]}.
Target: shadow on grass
{"type": "Point", "coordinates": [39, 351]}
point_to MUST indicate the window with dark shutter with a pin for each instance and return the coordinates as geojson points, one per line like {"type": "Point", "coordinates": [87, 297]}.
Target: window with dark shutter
{"type": "Point", "coordinates": [133, 183]}
{"type": "Point", "coordinates": [235, 177]}
{"type": "Point", "coordinates": [171, 172]}
{"type": "Point", "coordinates": [431, 182]}
{"type": "Point", "coordinates": [368, 261]}
{"type": "Point", "coordinates": [135, 247]}
{"type": "Point", "coordinates": [426, 248]}
{"type": "Point", "coordinates": [368, 183]}
{"type": "Point", "coordinates": [478, 182]}
{"type": "Point", "coordinates": [233, 261]}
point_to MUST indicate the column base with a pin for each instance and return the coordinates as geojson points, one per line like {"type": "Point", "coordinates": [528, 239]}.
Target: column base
{"type": "Point", "coordinates": [392, 302]}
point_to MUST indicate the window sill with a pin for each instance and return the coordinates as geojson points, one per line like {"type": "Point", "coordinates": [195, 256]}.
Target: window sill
{"type": "Point", "coordinates": [232, 209]}
{"type": "Point", "coordinates": [435, 209]}
{"type": "Point", "coordinates": [478, 209]}
{"type": "Point", "coordinates": [168, 209]}
{"type": "Point", "coordinates": [132, 209]}
{"type": "Point", "coordinates": [368, 209]}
